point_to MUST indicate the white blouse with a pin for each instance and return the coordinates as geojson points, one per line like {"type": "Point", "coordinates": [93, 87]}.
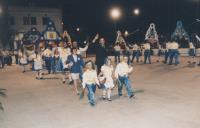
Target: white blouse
{"type": "Point", "coordinates": [90, 77]}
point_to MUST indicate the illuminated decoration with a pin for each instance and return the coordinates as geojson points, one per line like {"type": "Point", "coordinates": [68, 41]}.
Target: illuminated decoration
{"type": "Point", "coordinates": [50, 34]}
{"type": "Point", "coordinates": [120, 39]}
{"type": "Point", "coordinates": [32, 37]}
{"type": "Point", "coordinates": [180, 32]}
{"type": "Point", "coordinates": [151, 34]}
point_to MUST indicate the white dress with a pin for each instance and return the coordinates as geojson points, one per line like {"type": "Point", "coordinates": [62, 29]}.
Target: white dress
{"type": "Point", "coordinates": [38, 62]}
{"type": "Point", "coordinates": [107, 73]}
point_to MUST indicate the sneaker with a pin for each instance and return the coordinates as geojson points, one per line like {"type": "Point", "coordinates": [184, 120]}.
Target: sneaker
{"type": "Point", "coordinates": [109, 99]}
{"type": "Point", "coordinates": [63, 82]}
{"type": "Point", "coordinates": [131, 96]}
{"type": "Point", "coordinates": [104, 98]}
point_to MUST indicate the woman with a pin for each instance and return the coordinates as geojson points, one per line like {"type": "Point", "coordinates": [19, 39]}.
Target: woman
{"type": "Point", "coordinates": [107, 72]}
{"type": "Point", "coordinates": [57, 62]}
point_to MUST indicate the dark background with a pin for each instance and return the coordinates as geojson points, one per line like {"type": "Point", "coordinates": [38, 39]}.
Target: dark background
{"type": "Point", "coordinates": [93, 15]}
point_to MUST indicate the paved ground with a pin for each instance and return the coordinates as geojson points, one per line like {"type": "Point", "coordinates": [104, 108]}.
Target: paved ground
{"type": "Point", "coordinates": [166, 97]}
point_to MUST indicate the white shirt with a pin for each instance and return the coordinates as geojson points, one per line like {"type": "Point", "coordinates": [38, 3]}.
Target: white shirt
{"type": "Point", "coordinates": [167, 46]}
{"type": "Point", "coordinates": [174, 45]}
{"type": "Point", "coordinates": [75, 58]}
{"type": "Point", "coordinates": [117, 48]}
{"type": "Point", "coordinates": [147, 46]}
{"type": "Point", "coordinates": [90, 77]}
{"type": "Point", "coordinates": [191, 45]}
{"type": "Point", "coordinates": [122, 69]}
{"type": "Point", "coordinates": [135, 47]}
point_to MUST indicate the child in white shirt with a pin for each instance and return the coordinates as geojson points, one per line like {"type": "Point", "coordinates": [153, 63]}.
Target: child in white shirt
{"type": "Point", "coordinates": [89, 81]}
{"type": "Point", "coordinates": [121, 73]}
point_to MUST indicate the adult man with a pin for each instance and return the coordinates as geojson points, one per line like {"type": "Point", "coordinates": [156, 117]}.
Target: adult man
{"type": "Point", "coordinates": [100, 51]}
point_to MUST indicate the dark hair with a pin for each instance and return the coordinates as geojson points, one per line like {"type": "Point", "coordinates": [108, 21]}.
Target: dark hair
{"type": "Point", "coordinates": [90, 61]}
{"type": "Point", "coordinates": [106, 61]}
{"type": "Point", "coordinates": [72, 49]}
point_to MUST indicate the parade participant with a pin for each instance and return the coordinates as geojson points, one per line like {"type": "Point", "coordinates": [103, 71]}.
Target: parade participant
{"type": "Point", "coordinates": [174, 53]}
{"type": "Point", "coordinates": [1, 58]}
{"type": "Point", "coordinates": [56, 62]}
{"type": "Point", "coordinates": [23, 60]}
{"type": "Point", "coordinates": [64, 53]}
{"type": "Point", "coordinates": [47, 54]}
{"type": "Point", "coordinates": [192, 53]}
{"type": "Point", "coordinates": [79, 49]}
{"type": "Point", "coordinates": [38, 65]}
{"type": "Point", "coordinates": [76, 64]}
{"type": "Point", "coordinates": [107, 72]}
{"type": "Point", "coordinates": [117, 50]}
{"type": "Point", "coordinates": [160, 52]}
{"type": "Point", "coordinates": [147, 52]}
{"type": "Point", "coordinates": [90, 80]}
{"type": "Point", "coordinates": [167, 52]}
{"type": "Point", "coordinates": [136, 53]}
{"type": "Point", "coordinates": [100, 51]}
{"type": "Point", "coordinates": [122, 74]}
{"type": "Point", "coordinates": [66, 38]}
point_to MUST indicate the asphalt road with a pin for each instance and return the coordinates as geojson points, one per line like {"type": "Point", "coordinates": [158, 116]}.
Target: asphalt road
{"type": "Point", "coordinates": [166, 97]}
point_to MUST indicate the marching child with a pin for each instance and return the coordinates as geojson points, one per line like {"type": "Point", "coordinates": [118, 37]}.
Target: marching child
{"type": "Point", "coordinates": [38, 65]}
{"type": "Point", "coordinates": [121, 73]}
{"type": "Point", "coordinates": [107, 72]}
{"type": "Point", "coordinates": [90, 80]}
{"type": "Point", "coordinates": [23, 60]}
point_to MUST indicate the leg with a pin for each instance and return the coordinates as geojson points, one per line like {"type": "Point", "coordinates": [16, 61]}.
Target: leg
{"type": "Point", "coordinates": [91, 94]}
{"type": "Point", "coordinates": [109, 94]}
{"type": "Point", "coordinates": [128, 87]}
{"type": "Point", "coordinates": [75, 86]}
{"type": "Point", "coordinates": [120, 86]}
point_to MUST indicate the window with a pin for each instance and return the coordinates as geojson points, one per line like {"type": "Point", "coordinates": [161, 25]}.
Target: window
{"type": "Point", "coordinates": [26, 20]}
{"type": "Point", "coordinates": [12, 20]}
{"type": "Point", "coordinates": [45, 20]}
{"type": "Point", "coordinates": [33, 21]}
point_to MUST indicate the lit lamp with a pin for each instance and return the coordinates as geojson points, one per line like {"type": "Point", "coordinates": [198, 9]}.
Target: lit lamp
{"type": "Point", "coordinates": [115, 13]}
{"type": "Point", "coordinates": [136, 11]}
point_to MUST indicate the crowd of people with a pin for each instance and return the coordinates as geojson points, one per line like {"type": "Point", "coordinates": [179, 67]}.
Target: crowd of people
{"type": "Point", "coordinates": [65, 58]}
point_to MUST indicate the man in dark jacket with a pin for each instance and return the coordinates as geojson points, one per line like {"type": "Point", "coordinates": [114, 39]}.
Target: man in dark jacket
{"type": "Point", "coordinates": [100, 51]}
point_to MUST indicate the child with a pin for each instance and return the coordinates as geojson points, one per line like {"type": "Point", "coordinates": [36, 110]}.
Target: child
{"type": "Point", "coordinates": [121, 73]}
{"type": "Point", "coordinates": [192, 53]}
{"type": "Point", "coordinates": [89, 81]}
{"type": "Point", "coordinates": [38, 63]}
{"type": "Point", "coordinates": [75, 63]}
{"type": "Point", "coordinates": [57, 62]}
{"type": "Point", "coordinates": [107, 72]}
{"type": "Point", "coordinates": [23, 60]}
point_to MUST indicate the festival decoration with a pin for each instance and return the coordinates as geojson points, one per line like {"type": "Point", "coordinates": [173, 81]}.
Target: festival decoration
{"type": "Point", "coordinates": [180, 32]}
{"type": "Point", "coordinates": [151, 34]}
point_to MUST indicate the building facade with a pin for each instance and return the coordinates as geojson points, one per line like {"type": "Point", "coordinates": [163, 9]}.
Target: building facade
{"type": "Point", "coordinates": [22, 19]}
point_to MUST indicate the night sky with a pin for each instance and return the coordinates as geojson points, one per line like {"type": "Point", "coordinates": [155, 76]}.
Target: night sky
{"type": "Point", "coordinates": [93, 15]}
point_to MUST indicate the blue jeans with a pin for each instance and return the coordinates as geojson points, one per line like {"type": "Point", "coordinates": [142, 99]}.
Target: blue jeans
{"type": "Point", "coordinates": [147, 55]}
{"type": "Point", "coordinates": [91, 91]}
{"type": "Point", "coordinates": [166, 55]}
{"type": "Point", "coordinates": [174, 55]}
{"type": "Point", "coordinates": [135, 54]}
{"type": "Point", "coordinates": [123, 80]}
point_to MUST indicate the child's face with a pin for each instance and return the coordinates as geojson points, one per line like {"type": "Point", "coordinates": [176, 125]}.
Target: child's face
{"type": "Point", "coordinates": [109, 62]}
{"type": "Point", "coordinates": [125, 59]}
{"type": "Point", "coordinates": [89, 66]}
